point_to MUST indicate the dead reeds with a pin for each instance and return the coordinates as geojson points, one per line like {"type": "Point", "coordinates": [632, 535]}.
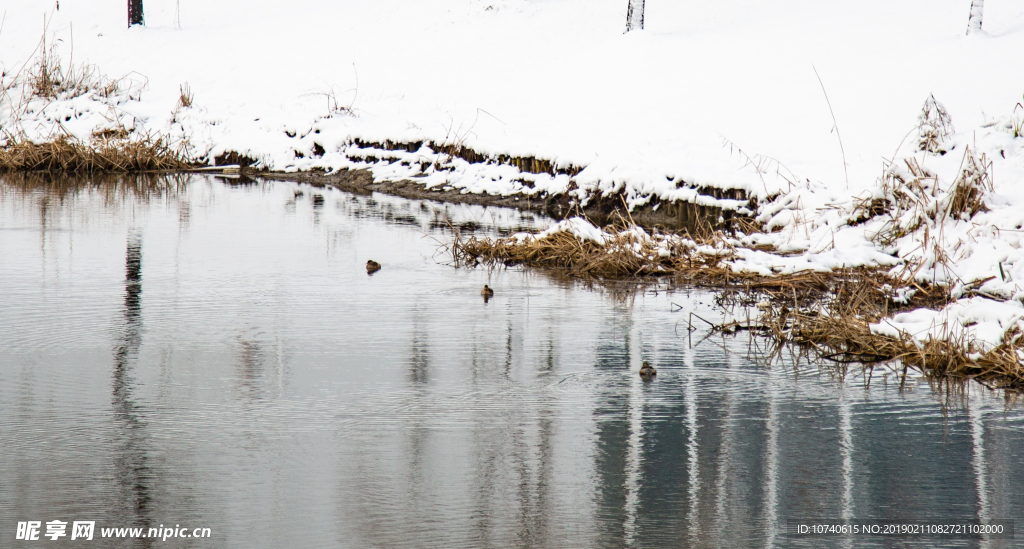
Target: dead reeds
{"type": "Point", "coordinates": [836, 326]}
{"type": "Point", "coordinates": [624, 250]}
{"type": "Point", "coordinates": [185, 96]}
{"type": "Point", "coordinates": [48, 77]}
{"type": "Point", "coordinates": [914, 201]}
{"type": "Point", "coordinates": [827, 314]}
{"type": "Point", "coordinates": [934, 127]}
{"type": "Point", "coordinates": [109, 152]}
{"type": "Point", "coordinates": [33, 139]}
{"type": "Point", "coordinates": [966, 198]}
{"type": "Point", "coordinates": [697, 258]}
{"type": "Point", "coordinates": [621, 255]}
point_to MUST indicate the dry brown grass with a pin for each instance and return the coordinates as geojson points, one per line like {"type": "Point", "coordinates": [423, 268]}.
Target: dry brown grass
{"type": "Point", "coordinates": [912, 200]}
{"type": "Point", "coordinates": [185, 96]}
{"type": "Point", "coordinates": [625, 253]}
{"type": "Point", "coordinates": [622, 255]}
{"type": "Point", "coordinates": [111, 151]}
{"type": "Point", "coordinates": [49, 77]}
{"type": "Point", "coordinates": [934, 126]}
{"type": "Point", "coordinates": [975, 179]}
{"type": "Point", "coordinates": [827, 315]}
{"type": "Point", "coordinates": [835, 325]}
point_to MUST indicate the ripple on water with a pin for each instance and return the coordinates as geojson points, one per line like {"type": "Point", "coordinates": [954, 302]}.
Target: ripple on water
{"type": "Point", "coordinates": [264, 386]}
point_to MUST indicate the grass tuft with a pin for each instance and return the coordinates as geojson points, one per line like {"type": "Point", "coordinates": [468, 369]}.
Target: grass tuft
{"type": "Point", "coordinates": [836, 326]}
{"type": "Point", "coordinates": [627, 250]}
{"type": "Point", "coordinates": [185, 96]}
{"type": "Point", "coordinates": [49, 78]}
{"type": "Point", "coordinates": [109, 152]}
{"type": "Point", "coordinates": [913, 200]}
{"type": "Point", "coordinates": [934, 126]}
{"type": "Point", "coordinates": [46, 80]}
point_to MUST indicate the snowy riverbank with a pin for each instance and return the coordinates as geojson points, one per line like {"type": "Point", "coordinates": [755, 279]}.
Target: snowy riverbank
{"type": "Point", "coordinates": [535, 99]}
{"type": "Point", "coordinates": [558, 80]}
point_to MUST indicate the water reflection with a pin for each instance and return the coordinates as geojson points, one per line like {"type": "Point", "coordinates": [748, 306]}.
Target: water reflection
{"type": "Point", "coordinates": [263, 386]}
{"type": "Point", "coordinates": [135, 477]}
{"type": "Point", "coordinates": [419, 361]}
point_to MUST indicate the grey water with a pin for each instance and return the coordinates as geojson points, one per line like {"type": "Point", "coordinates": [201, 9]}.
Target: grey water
{"type": "Point", "coordinates": [197, 353]}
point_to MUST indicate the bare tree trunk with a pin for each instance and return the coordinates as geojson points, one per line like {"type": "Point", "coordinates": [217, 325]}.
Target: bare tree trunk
{"type": "Point", "coordinates": [974, 23]}
{"type": "Point", "coordinates": [135, 13]}
{"type": "Point", "coordinates": [635, 15]}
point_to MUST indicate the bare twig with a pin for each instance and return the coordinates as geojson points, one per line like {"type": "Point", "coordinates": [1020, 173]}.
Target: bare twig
{"type": "Point", "coordinates": [835, 125]}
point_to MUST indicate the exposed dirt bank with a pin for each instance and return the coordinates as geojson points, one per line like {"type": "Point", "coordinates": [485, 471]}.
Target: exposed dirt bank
{"type": "Point", "coordinates": [677, 216]}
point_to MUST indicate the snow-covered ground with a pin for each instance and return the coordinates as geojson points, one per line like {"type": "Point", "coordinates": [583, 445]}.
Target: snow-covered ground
{"type": "Point", "coordinates": [556, 79]}
{"type": "Point", "coordinates": [705, 93]}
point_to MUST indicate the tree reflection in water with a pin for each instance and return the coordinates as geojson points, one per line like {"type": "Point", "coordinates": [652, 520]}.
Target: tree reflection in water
{"type": "Point", "coordinates": [135, 477]}
{"type": "Point", "coordinates": [314, 406]}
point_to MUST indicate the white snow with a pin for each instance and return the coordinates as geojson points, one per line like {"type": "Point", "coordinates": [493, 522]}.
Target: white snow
{"type": "Point", "coordinates": [579, 227]}
{"type": "Point", "coordinates": [979, 320]}
{"type": "Point", "coordinates": [556, 79]}
{"type": "Point", "coordinates": [709, 94]}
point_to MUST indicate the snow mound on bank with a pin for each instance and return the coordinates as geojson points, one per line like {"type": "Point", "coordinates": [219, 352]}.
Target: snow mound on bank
{"type": "Point", "coordinates": [709, 95]}
{"type": "Point", "coordinates": [982, 321]}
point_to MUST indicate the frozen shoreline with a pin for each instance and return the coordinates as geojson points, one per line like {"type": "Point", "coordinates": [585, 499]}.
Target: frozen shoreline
{"type": "Point", "coordinates": [714, 105]}
{"type": "Point", "coordinates": [679, 216]}
{"type": "Point", "coordinates": [690, 99]}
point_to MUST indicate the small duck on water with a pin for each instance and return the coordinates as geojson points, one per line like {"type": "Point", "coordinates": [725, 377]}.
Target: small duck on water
{"type": "Point", "coordinates": [372, 267]}
{"type": "Point", "coordinates": [647, 372]}
{"type": "Point", "coordinates": [487, 292]}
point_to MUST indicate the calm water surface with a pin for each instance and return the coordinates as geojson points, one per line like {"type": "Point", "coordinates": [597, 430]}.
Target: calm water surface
{"type": "Point", "coordinates": [203, 354]}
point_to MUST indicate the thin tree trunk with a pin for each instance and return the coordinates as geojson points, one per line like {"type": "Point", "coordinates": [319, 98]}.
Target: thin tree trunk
{"type": "Point", "coordinates": [974, 23]}
{"type": "Point", "coordinates": [635, 15]}
{"type": "Point", "coordinates": [135, 13]}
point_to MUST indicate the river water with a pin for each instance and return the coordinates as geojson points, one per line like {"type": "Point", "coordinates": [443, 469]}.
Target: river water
{"type": "Point", "coordinates": [199, 353]}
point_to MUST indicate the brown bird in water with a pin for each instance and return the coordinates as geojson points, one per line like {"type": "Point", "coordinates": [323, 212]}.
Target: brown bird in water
{"type": "Point", "coordinates": [487, 292]}
{"type": "Point", "coordinates": [647, 372]}
{"type": "Point", "coordinates": [372, 267]}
